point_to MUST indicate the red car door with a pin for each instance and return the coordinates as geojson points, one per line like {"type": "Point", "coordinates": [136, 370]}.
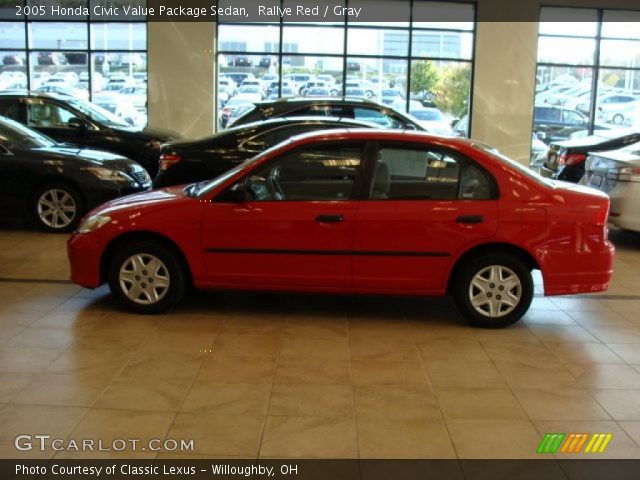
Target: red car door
{"type": "Point", "coordinates": [296, 227]}
{"type": "Point", "coordinates": [425, 205]}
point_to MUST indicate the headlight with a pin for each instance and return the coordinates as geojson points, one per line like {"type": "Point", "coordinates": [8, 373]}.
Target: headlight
{"type": "Point", "coordinates": [109, 174]}
{"type": "Point", "coordinates": [93, 223]}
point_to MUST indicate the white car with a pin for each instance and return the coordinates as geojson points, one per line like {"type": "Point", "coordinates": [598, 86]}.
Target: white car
{"type": "Point", "coordinates": [432, 120]}
{"type": "Point", "coordinates": [616, 108]}
{"type": "Point", "coordinates": [617, 173]}
{"type": "Point", "coordinates": [250, 93]}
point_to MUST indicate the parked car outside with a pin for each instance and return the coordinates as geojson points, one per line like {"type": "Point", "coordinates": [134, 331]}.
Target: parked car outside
{"type": "Point", "coordinates": [206, 158]}
{"type": "Point", "coordinates": [75, 121]}
{"type": "Point", "coordinates": [355, 211]}
{"type": "Point", "coordinates": [55, 184]}
{"type": "Point", "coordinates": [432, 120]}
{"type": "Point", "coordinates": [617, 173]}
{"type": "Point", "coordinates": [548, 120]}
{"type": "Point", "coordinates": [616, 107]}
{"type": "Point", "coordinates": [566, 160]}
{"type": "Point", "coordinates": [250, 93]}
{"type": "Point", "coordinates": [234, 108]}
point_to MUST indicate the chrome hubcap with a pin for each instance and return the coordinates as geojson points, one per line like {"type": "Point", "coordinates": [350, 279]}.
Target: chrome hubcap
{"type": "Point", "coordinates": [56, 208]}
{"type": "Point", "coordinates": [495, 291]}
{"type": "Point", "coordinates": [144, 279]}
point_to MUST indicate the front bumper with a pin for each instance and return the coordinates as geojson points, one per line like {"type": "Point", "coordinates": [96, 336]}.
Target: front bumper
{"type": "Point", "coordinates": [85, 252]}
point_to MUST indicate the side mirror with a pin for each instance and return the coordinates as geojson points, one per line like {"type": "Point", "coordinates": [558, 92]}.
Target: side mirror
{"type": "Point", "coordinates": [75, 122]}
{"type": "Point", "coordinates": [411, 126]}
{"type": "Point", "coordinates": [236, 194]}
{"type": "Point", "coordinates": [254, 146]}
{"type": "Point", "coordinates": [540, 135]}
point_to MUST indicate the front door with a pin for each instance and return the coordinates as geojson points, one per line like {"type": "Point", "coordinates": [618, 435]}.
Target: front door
{"type": "Point", "coordinates": [296, 227]}
{"type": "Point", "coordinates": [425, 205]}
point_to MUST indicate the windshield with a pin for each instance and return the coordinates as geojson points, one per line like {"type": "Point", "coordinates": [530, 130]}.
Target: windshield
{"type": "Point", "coordinates": [15, 135]}
{"type": "Point", "coordinates": [202, 188]}
{"type": "Point", "coordinates": [427, 114]}
{"type": "Point", "coordinates": [512, 163]}
{"type": "Point", "coordinates": [97, 113]}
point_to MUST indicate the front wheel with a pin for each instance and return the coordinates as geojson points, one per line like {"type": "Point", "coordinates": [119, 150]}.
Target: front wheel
{"type": "Point", "coordinates": [493, 290]}
{"type": "Point", "coordinates": [57, 207]}
{"type": "Point", "coordinates": [147, 277]}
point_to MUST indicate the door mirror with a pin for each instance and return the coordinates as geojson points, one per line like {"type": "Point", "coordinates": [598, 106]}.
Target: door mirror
{"type": "Point", "coordinates": [236, 194]}
{"type": "Point", "coordinates": [411, 126]}
{"type": "Point", "coordinates": [254, 146]}
{"type": "Point", "coordinates": [75, 122]}
{"type": "Point", "coordinates": [540, 135]}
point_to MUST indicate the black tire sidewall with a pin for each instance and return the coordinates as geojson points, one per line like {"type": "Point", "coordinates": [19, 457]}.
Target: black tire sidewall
{"type": "Point", "coordinates": [466, 273]}
{"type": "Point", "coordinates": [77, 198]}
{"type": "Point", "coordinates": [177, 276]}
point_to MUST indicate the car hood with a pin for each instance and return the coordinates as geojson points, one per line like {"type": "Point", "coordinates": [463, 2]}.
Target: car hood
{"type": "Point", "coordinates": [154, 198]}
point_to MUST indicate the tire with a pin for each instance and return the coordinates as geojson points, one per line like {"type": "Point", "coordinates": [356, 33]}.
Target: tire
{"type": "Point", "coordinates": [57, 207]}
{"type": "Point", "coordinates": [132, 262]}
{"type": "Point", "coordinates": [490, 310]}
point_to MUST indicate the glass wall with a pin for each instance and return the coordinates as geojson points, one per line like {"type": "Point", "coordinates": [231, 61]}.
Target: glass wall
{"type": "Point", "coordinates": [588, 73]}
{"type": "Point", "coordinates": [104, 62]}
{"type": "Point", "coordinates": [413, 64]}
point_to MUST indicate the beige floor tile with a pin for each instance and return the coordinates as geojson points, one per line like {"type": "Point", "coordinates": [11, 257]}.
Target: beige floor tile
{"type": "Point", "coordinates": [517, 333]}
{"type": "Point", "coordinates": [364, 326]}
{"type": "Point", "coordinates": [625, 305]}
{"type": "Point", "coordinates": [583, 352]}
{"type": "Point", "coordinates": [547, 317]}
{"type": "Point", "coordinates": [227, 368]}
{"type": "Point", "coordinates": [402, 402]}
{"type": "Point", "coordinates": [176, 342]}
{"type": "Point", "coordinates": [100, 339]}
{"type": "Point", "coordinates": [228, 398]}
{"type": "Point", "coordinates": [541, 303]}
{"type": "Point", "coordinates": [312, 370]}
{"type": "Point", "coordinates": [527, 353]}
{"type": "Point", "coordinates": [11, 384]}
{"type": "Point", "coordinates": [309, 437]}
{"type": "Point", "coordinates": [424, 332]}
{"type": "Point", "coordinates": [108, 425]}
{"type": "Point", "coordinates": [192, 323]}
{"type": "Point", "coordinates": [381, 438]}
{"type": "Point", "coordinates": [379, 348]}
{"type": "Point", "coordinates": [316, 326]}
{"type": "Point", "coordinates": [451, 350]}
{"type": "Point", "coordinates": [479, 403]}
{"type": "Point", "coordinates": [17, 317]}
{"type": "Point", "coordinates": [499, 439]}
{"type": "Point", "coordinates": [146, 394]}
{"type": "Point", "coordinates": [297, 400]}
{"type": "Point", "coordinates": [27, 360]}
{"type": "Point", "coordinates": [579, 303]}
{"type": "Point", "coordinates": [620, 404]}
{"type": "Point", "coordinates": [9, 331]}
{"type": "Point", "coordinates": [632, 429]}
{"type": "Point", "coordinates": [560, 403]}
{"type": "Point", "coordinates": [621, 445]}
{"type": "Point", "coordinates": [164, 365]}
{"type": "Point", "coordinates": [315, 347]}
{"type": "Point", "coordinates": [63, 390]}
{"type": "Point", "coordinates": [597, 376]}
{"type": "Point", "coordinates": [374, 372]}
{"type": "Point", "coordinates": [265, 324]}
{"type": "Point", "coordinates": [89, 362]}
{"type": "Point", "coordinates": [128, 322]}
{"type": "Point", "coordinates": [601, 318]}
{"type": "Point", "coordinates": [562, 333]}
{"type": "Point", "coordinates": [34, 337]}
{"type": "Point", "coordinates": [220, 434]}
{"type": "Point", "coordinates": [519, 375]}
{"type": "Point", "coordinates": [629, 352]}
{"type": "Point", "coordinates": [464, 374]}
{"type": "Point", "coordinates": [247, 345]}
{"type": "Point", "coordinates": [616, 334]}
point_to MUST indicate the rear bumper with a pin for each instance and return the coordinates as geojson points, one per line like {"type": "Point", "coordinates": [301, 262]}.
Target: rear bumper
{"type": "Point", "coordinates": [84, 252]}
{"type": "Point", "coordinates": [624, 211]}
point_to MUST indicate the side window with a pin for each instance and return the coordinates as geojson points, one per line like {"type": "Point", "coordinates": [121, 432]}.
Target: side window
{"type": "Point", "coordinates": [571, 117]}
{"type": "Point", "coordinates": [375, 116]}
{"type": "Point", "coordinates": [48, 115]}
{"type": "Point", "coordinates": [424, 174]}
{"type": "Point", "coordinates": [314, 111]}
{"type": "Point", "coordinates": [313, 173]}
{"type": "Point", "coordinates": [10, 108]}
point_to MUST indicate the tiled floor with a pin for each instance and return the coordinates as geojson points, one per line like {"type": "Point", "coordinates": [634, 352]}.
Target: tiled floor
{"type": "Point", "coordinates": [311, 376]}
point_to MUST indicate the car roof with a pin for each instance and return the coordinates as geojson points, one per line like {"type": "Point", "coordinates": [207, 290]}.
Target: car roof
{"type": "Point", "coordinates": [310, 119]}
{"type": "Point", "coordinates": [380, 134]}
{"type": "Point", "coordinates": [32, 94]}
{"type": "Point", "coordinates": [302, 101]}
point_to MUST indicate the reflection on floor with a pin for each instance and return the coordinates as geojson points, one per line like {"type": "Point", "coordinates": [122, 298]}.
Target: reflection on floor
{"type": "Point", "coordinates": [248, 375]}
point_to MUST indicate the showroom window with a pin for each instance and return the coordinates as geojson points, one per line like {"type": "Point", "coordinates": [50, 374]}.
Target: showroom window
{"type": "Point", "coordinates": [414, 64]}
{"type": "Point", "coordinates": [588, 72]}
{"type": "Point", "coordinates": [86, 57]}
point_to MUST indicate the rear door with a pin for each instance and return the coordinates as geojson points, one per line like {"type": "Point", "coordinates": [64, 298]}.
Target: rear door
{"type": "Point", "coordinates": [425, 205]}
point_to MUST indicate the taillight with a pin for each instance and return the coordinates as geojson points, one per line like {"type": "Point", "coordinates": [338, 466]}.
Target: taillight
{"type": "Point", "coordinates": [571, 158]}
{"type": "Point", "coordinates": [629, 174]}
{"type": "Point", "coordinates": [168, 160]}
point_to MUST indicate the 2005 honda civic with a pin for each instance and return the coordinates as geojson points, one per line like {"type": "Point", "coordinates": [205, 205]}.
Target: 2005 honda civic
{"type": "Point", "coordinates": [355, 211]}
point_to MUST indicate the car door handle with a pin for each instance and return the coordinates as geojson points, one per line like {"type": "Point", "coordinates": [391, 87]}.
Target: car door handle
{"type": "Point", "coordinates": [470, 219]}
{"type": "Point", "coordinates": [329, 218]}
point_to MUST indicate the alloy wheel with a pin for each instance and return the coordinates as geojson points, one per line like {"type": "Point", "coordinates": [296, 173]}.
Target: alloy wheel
{"type": "Point", "coordinates": [495, 291]}
{"type": "Point", "coordinates": [144, 279]}
{"type": "Point", "coordinates": [57, 208]}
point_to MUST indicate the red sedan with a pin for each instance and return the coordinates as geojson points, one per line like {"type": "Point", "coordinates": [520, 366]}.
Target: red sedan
{"type": "Point", "coordinates": [350, 211]}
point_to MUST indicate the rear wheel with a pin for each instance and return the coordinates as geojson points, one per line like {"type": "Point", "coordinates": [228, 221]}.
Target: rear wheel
{"type": "Point", "coordinates": [147, 277]}
{"type": "Point", "coordinates": [493, 290]}
{"type": "Point", "coordinates": [57, 207]}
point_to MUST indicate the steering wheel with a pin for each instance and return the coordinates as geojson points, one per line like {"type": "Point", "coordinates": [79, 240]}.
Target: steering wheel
{"type": "Point", "coordinates": [272, 180]}
{"type": "Point", "coordinates": [260, 188]}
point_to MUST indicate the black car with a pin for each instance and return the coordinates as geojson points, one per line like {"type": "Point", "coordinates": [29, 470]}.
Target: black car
{"type": "Point", "coordinates": [549, 120]}
{"type": "Point", "coordinates": [71, 120]}
{"type": "Point", "coordinates": [566, 160]}
{"type": "Point", "coordinates": [209, 157]}
{"type": "Point", "coordinates": [56, 184]}
{"type": "Point", "coordinates": [353, 108]}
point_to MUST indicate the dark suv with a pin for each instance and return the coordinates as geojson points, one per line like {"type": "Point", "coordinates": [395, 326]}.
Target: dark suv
{"type": "Point", "coordinates": [74, 121]}
{"type": "Point", "coordinates": [358, 109]}
{"type": "Point", "coordinates": [548, 121]}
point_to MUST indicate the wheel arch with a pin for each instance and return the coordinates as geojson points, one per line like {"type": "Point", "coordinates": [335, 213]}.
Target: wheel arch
{"type": "Point", "coordinates": [128, 237]}
{"type": "Point", "coordinates": [494, 247]}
